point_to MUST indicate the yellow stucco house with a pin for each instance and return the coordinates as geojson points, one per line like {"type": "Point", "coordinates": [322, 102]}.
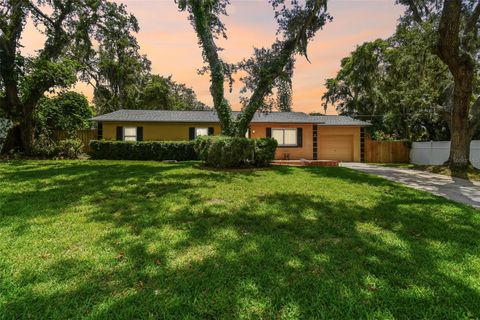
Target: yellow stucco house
{"type": "Point", "coordinates": [299, 136]}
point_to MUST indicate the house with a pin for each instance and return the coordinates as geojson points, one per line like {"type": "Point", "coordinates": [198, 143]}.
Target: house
{"type": "Point", "coordinates": [299, 135]}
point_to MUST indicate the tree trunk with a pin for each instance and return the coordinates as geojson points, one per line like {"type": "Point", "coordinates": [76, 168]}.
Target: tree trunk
{"type": "Point", "coordinates": [12, 141]}
{"type": "Point", "coordinates": [461, 133]}
{"type": "Point", "coordinates": [27, 134]}
{"type": "Point", "coordinates": [21, 136]}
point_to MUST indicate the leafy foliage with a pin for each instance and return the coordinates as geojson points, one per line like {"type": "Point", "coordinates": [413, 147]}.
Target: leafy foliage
{"type": "Point", "coordinates": [267, 68]}
{"type": "Point", "coordinates": [69, 28]}
{"type": "Point", "coordinates": [68, 111]}
{"type": "Point", "coordinates": [46, 147]}
{"type": "Point", "coordinates": [234, 152]}
{"type": "Point", "coordinates": [69, 148]}
{"type": "Point", "coordinates": [457, 44]}
{"type": "Point", "coordinates": [397, 84]}
{"type": "Point", "coordinates": [264, 151]}
{"type": "Point", "coordinates": [162, 93]}
{"type": "Point", "coordinates": [117, 69]}
{"type": "Point", "coordinates": [143, 150]}
{"type": "Point", "coordinates": [5, 125]}
{"type": "Point", "coordinates": [121, 75]}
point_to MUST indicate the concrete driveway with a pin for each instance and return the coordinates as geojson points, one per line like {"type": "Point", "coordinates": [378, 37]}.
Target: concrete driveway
{"type": "Point", "coordinates": [456, 189]}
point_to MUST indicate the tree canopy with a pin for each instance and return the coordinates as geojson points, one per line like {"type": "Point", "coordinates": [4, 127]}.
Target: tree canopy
{"type": "Point", "coordinates": [398, 84]}
{"type": "Point", "coordinates": [68, 111]}
{"type": "Point", "coordinates": [69, 28]}
{"type": "Point", "coordinates": [268, 67]}
{"type": "Point", "coordinates": [457, 44]}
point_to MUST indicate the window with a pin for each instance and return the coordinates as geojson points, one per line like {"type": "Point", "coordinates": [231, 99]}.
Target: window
{"type": "Point", "coordinates": [285, 137]}
{"type": "Point", "coordinates": [201, 132]}
{"type": "Point", "coordinates": [130, 133]}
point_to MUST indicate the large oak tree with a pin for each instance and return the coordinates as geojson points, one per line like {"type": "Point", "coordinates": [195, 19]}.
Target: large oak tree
{"type": "Point", "coordinates": [298, 21]}
{"type": "Point", "coordinates": [70, 29]}
{"type": "Point", "coordinates": [458, 46]}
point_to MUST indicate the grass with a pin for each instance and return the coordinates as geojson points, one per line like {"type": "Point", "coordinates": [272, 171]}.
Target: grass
{"type": "Point", "coordinates": [124, 240]}
{"type": "Point", "coordinates": [472, 174]}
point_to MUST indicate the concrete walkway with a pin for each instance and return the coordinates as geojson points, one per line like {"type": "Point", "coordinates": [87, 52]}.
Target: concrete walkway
{"type": "Point", "coordinates": [456, 189]}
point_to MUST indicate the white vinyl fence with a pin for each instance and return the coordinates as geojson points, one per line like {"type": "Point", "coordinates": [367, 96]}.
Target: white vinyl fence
{"type": "Point", "coordinates": [437, 152]}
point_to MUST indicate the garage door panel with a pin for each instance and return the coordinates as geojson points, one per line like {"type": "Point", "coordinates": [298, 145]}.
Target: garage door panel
{"type": "Point", "coordinates": [335, 147]}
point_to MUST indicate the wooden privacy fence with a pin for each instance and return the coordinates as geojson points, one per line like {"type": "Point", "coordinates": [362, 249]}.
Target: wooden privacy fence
{"type": "Point", "coordinates": [84, 135]}
{"type": "Point", "coordinates": [386, 151]}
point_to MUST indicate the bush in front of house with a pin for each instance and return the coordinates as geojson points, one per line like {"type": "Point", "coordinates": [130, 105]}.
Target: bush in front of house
{"type": "Point", "coordinates": [143, 150]}
{"type": "Point", "coordinates": [68, 148]}
{"type": "Point", "coordinates": [233, 152]}
{"type": "Point", "coordinates": [45, 147]}
{"type": "Point", "coordinates": [265, 151]}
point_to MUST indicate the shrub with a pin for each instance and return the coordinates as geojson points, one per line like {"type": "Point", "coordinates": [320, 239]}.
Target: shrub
{"type": "Point", "coordinates": [5, 125]}
{"type": "Point", "coordinates": [231, 152]}
{"type": "Point", "coordinates": [44, 147]}
{"type": "Point", "coordinates": [62, 149]}
{"type": "Point", "coordinates": [264, 151]}
{"type": "Point", "coordinates": [143, 150]}
{"type": "Point", "coordinates": [68, 148]}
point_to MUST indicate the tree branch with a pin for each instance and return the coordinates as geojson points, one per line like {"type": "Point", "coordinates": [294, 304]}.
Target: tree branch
{"type": "Point", "coordinates": [448, 45]}
{"type": "Point", "coordinates": [40, 13]}
{"type": "Point", "coordinates": [274, 68]}
{"type": "Point", "coordinates": [201, 22]}
{"type": "Point", "coordinates": [8, 51]}
{"type": "Point", "coordinates": [417, 17]}
{"type": "Point", "coordinates": [55, 44]}
{"type": "Point", "coordinates": [473, 20]}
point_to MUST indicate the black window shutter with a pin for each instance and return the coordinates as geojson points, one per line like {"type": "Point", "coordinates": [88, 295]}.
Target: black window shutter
{"type": "Point", "coordinates": [100, 131]}
{"type": "Point", "coordinates": [139, 133]}
{"type": "Point", "coordinates": [269, 132]}
{"type": "Point", "coordinates": [191, 133]}
{"type": "Point", "coordinates": [299, 137]}
{"type": "Point", "coordinates": [119, 133]}
{"type": "Point", "coordinates": [211, 131]}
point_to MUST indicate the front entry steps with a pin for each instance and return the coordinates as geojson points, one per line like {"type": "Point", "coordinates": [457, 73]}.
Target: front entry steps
{"type": "Point", "coordinates": [305, 162]}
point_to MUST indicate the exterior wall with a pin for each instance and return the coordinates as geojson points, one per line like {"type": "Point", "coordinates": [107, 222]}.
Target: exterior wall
{"type": "Point", "coordinates": [157, 130]}
{"type": "Point", "coordinates": [340, 131]}
{"type": "Point", "coordinates": [259, 130]}
{"type": "Point", "coordinates": [180, 131]}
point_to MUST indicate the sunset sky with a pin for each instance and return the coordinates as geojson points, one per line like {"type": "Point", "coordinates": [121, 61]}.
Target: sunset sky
{"type": "Point", "coordinates": [169, 41]}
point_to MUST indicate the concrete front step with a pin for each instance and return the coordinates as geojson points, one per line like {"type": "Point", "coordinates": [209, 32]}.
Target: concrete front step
{"type": "Point", "coordinates": [304, 162]}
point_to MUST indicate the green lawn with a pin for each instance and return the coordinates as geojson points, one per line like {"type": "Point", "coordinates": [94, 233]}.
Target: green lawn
{"type": "Point", "coordinates": [136, 240]}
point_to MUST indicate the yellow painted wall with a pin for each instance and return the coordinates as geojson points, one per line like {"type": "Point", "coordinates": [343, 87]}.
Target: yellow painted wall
{"type": "Point", "coordinates": [259, 130]}
{"type": "Point", "coordinates": [179, 131]}
{"type": "Point", "coordinates": [157, 131]}
{"type": "Point", "coordinates": [340, 131]}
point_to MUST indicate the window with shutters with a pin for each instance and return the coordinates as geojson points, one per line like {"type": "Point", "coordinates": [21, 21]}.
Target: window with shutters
{"type": "Point", "coordinates": [130, 133]}
{"type": "Point", "coordinates": [201, 132]}
{"type": "Point", "coordinates": [285, 137]}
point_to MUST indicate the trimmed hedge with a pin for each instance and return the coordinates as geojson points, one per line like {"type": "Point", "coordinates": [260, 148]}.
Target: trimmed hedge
{"type": "Point", "coordinates": [143, 150]}
{"type": "Point", "coordinates": [265, 151]}
{"type": "Point", "coordinates": [232, 152]}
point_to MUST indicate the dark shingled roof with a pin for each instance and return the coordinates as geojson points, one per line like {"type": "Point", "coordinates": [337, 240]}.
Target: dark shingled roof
{"type": "Point", "coordinates": [211, 116]}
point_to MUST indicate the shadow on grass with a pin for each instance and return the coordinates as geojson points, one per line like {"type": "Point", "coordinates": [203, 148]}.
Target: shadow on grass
{"type": "Point", "coordinates": [189, 243]}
